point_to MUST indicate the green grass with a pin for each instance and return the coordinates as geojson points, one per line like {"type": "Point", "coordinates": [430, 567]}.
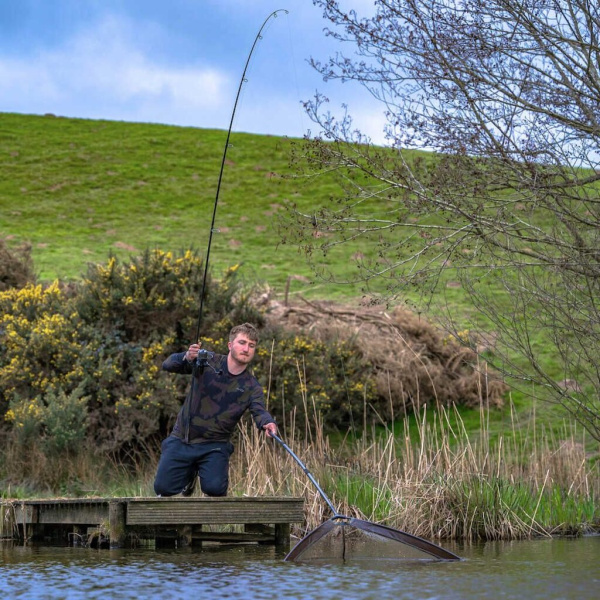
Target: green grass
{"type": "Point", "coordinates": [78, 190]}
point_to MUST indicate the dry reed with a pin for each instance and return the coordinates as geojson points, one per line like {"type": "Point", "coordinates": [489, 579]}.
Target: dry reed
{"type": "Point", "coordinates": [442, 485]}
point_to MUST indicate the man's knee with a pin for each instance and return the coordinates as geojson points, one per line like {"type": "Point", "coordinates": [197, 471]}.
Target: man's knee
{"type": "Point", "coordinates": [161, 490]}
{"type": "Point", "coordinates": [214, 487]}
{"type": "Point", "coordinates": [166, 484]}
{"type": "Point", "coordinates": [214, 471]}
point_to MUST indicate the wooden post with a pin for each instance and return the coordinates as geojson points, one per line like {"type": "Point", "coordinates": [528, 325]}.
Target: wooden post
{"type": "Point", "coordinates": [282, 535]}
{"type": "Point", "coordinates": [30, 516]}
{"type": "Point", "coordinates": [116, 523]}
{"type": "Point", "coordinates": [184, 536]}
{"type": "Point", "coordinates": [196, 542]}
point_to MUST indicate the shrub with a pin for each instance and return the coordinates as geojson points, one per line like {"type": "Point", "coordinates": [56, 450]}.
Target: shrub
{"type": "Point", "coordinates": [310, 376]}
{"type": "Point", "coordinates": [41, 342]}
{"type": "Point", "coordinates": [95, 349]}
{"type": "Point", "coordinates": [351, 364]}
{"type": "Point", "coordinates": [16, 266]}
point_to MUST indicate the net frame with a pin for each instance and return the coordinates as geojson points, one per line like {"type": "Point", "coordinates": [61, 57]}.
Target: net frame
{"type": "Point", "coordinates": [421, 548]}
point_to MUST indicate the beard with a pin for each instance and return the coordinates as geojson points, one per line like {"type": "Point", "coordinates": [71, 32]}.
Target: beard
{"type": "Point", "coordinates": [241, 358]}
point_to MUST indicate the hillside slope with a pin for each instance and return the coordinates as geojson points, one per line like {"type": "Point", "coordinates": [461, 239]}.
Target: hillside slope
{"type": "Point", "coordinates": [78, 190]}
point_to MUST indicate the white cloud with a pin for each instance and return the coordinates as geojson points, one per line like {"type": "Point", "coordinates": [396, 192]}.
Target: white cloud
{"type": "Point", "coordinates": [101, 70]}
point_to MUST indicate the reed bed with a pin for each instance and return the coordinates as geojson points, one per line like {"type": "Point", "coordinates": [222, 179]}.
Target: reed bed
{"type": "Point", "coordinates": [442, 485]}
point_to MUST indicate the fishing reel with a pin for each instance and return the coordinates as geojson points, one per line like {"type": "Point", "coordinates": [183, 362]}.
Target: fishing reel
{"type": "Point", "coordinates": [202, 361]}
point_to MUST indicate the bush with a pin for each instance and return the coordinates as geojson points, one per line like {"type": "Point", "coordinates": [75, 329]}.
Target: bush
{"type": "Point", "coordinates": [16, 266]}
{"type": "Point", "coordinates": [312, 377]}
{"type": "Point", "coordinates": [81, 363]}
{"type": "Point", "coordinates": [99, 345]}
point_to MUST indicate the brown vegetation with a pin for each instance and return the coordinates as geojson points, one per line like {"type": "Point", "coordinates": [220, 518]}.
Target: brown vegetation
{"type": "Point", "coordinates": [413, 362]}
{"type": "Point", "coordinates": [439, 485]}
{"type": "Point", "coordinates": [16, 266]}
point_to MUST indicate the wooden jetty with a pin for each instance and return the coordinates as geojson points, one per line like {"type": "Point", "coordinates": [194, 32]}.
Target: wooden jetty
{"type": "Point", "coordinates": [173, 521]}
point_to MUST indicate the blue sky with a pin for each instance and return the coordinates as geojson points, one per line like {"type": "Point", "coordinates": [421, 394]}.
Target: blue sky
{"type": "Point", "coordinates": [173, 61]}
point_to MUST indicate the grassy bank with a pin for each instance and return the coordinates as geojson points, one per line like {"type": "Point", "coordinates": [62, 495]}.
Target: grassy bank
{"type": "Point", "coordinates": [77, 190]}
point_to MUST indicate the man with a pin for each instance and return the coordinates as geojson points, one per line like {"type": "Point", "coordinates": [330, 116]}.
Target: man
{"type": "Point", "coordinates": [222, 390]}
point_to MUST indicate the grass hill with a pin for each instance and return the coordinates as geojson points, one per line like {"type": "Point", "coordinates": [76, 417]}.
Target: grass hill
{"type": "Point", "coordinates": [78, 190]}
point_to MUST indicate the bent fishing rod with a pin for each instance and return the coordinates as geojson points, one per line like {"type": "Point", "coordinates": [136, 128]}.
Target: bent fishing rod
{"type": "Point", "coordinates": [202, 359]}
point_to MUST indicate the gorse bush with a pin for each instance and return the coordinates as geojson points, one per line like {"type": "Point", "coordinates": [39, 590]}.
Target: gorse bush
{"type": "Point", "coordinates": [311, 376]}
{"type": "Point", "coordinates": [83, 361]}
{"type": "Point", "coordinates": [41, 342]}
{"type": "Point", "coordinates": [133, 299]}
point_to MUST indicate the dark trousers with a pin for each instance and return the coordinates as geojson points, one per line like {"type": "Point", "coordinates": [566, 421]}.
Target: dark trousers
{"type": "Point", "coordinates": [180, 463]}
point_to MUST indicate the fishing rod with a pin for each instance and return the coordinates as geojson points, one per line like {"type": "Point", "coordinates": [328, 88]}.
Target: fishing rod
{"type": "Point", "coordinates": [203, 354]}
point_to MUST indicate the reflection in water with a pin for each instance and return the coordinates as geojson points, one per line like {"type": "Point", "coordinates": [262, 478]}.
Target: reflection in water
{"type": "Point", "coordinates": [542, 569]}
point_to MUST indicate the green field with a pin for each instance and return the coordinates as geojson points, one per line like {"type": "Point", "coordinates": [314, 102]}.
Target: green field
{"type": "Point", "coordinates": [78, 190]}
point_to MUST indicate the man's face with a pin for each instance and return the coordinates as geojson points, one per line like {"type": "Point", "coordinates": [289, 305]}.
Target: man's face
{"type": "Point", "coordinates": [242, 349]}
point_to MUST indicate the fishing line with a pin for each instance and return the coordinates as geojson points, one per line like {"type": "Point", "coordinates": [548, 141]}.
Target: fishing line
{"type": "Point", "coordinates": [303, 128]}
{"type": "Point", "coordinates": [243, 80]}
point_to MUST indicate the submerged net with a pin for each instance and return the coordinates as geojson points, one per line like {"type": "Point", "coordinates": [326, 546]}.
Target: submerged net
{"type": "Point", "coordinates": [356, 540]}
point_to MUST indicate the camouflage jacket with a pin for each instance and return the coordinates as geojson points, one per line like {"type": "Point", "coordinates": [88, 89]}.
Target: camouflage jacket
{"type": "Point", "coordinates": [216, 400]}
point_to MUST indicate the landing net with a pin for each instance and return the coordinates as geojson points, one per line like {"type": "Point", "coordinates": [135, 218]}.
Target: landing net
{"type": "Point", "coordinates": [347, 540]}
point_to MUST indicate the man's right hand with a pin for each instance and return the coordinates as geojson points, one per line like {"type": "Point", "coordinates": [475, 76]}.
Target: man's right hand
{"type": "Point", "coordinates": [192, 352]}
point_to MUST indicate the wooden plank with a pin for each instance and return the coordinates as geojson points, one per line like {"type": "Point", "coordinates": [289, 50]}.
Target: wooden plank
{"type": "Point", "coordinates": [73, 515]}
{"type": "Point", "coordinates": [76, 514]}
{"type": "Point", "coordinates": [64, 511]}
{"type": "Point", "coordinates": [67, 501]}
{"type": "Point", "coordinates": [191, 511]}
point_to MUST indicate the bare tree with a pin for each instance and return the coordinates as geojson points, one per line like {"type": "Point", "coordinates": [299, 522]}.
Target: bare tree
{"type": "Point", "coordinates": [505, 97]}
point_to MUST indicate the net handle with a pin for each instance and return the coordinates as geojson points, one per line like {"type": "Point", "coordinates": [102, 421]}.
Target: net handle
{"type": "Point", "coordinates": [336, 515]}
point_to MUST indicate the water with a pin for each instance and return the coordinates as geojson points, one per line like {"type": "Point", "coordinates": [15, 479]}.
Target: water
{"type": "Point", "coordinates": [540, 569]}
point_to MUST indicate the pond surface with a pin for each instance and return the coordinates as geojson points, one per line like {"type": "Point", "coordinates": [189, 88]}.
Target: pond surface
{"type": "Point", "coordinates": [541, 569]}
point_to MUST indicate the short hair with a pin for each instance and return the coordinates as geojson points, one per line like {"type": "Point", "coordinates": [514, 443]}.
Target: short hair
{"type": "Point", "coordinates": [247, 329]}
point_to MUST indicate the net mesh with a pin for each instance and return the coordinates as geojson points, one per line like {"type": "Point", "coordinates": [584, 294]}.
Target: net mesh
{"type": "Point", "coordinates": [354, 540]}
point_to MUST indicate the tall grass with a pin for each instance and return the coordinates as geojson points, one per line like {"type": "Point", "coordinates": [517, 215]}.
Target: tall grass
{"type": "Point", "coordinates": [443, 485]}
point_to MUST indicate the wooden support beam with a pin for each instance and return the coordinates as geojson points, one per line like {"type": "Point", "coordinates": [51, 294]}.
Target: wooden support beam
{"type": "Point", "coordinates": [282, 535]}
{"type": "Point", "coordinates": [117, 511]}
